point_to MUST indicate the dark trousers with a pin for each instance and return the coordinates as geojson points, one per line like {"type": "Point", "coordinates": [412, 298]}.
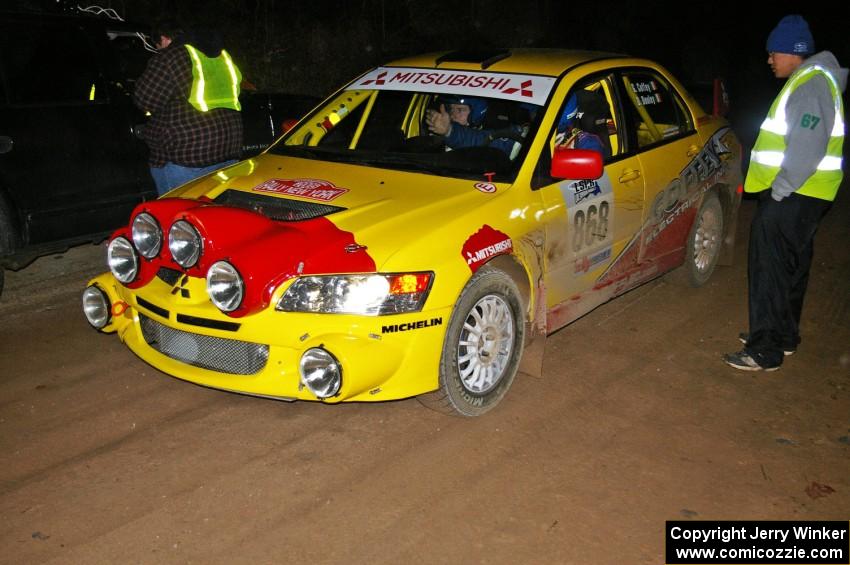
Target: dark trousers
{"type": "Point", "coordinates": [780, 255]}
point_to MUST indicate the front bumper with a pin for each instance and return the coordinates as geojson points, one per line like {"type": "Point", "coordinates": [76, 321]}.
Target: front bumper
{"type": "Point", "coordinates": [182, 334]}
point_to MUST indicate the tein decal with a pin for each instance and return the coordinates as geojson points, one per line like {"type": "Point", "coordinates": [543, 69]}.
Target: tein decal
{"type": "Point", "coordinates": [701, 173]}
{"type": "Point", "coordinates": [314, 189]}
{"type": "Point", "coordinates": [674, 206]}
{"type": "Point", "coordinates": [485, 244]}
{"type": "Point", "coordinates": [394, 328]}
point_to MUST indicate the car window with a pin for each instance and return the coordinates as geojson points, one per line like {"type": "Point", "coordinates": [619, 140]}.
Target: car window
{"type": "Point", "coordinates": [47, 64]}
{"type": "Point", "coordinates": [127, 57]}
{"type": "Point", "coordinates": [654, 109]}
{"type": "Point", "coordinates": [387, 128]}
{"type": "Point", "coordinates": [588, 119]}
{"type": "Point", "coordinates": [597, 125]}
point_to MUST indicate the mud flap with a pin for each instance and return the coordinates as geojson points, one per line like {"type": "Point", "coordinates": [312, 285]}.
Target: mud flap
{"type": "Point", "coordinates": [531, 363]}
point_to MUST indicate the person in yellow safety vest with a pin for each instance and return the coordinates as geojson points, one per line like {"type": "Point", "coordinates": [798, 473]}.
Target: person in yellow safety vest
{"type": "Point", "coordinates": [191, 90]}
{"type": "Point", "coordinates": [795, 168]}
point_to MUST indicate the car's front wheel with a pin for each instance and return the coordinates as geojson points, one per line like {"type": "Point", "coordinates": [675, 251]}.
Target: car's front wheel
{"type": "Point", "coordinates": [482, 347]}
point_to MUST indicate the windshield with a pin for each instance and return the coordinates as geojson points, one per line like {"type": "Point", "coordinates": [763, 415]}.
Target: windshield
{"type": "Point", "coordinates": [480, 129]}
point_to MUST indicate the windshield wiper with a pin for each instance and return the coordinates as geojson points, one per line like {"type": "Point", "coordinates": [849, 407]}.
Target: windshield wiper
{"type": "Point", "coordinates": [297, 151]}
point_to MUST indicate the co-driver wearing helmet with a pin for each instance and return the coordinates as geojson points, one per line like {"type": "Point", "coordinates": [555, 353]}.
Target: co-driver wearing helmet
{"type": "Point", "coordinates": [570, 134]}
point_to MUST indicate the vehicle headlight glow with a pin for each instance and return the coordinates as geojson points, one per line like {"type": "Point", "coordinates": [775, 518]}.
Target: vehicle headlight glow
{"type": "Point", "coordinates": [96, 307]}
{"type": "Point", "coordinates": [225, 286]}
{"type": "Point", "coordinates": [122, 259]}
{"type": "Point", "coordinates": [147, 235]}
{"type": "Point", "coordinates": [365, 294]}
{"type": "Point", "coordinates": [185, 243]}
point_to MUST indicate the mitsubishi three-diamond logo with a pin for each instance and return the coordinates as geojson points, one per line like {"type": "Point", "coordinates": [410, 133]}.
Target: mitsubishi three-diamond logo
{"type": "Point", "coordinates": [378, 80]}
{"type": "Point", "coordinates": [524, 89]}
{"type": "Point", "coordinates": [179, 287]}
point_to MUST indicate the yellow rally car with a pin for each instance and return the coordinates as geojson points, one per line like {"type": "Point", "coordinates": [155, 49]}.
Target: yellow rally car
{"type": "Point", "coordinates": [369, 256]}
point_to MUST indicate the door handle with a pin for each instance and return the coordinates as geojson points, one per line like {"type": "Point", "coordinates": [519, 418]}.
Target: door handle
{"type": "Point", "coordinates": [693, 150]}
{"type": "Point", "coordinates": [629, 175]}
{"type": "Point", "coordinates": [5, 144]}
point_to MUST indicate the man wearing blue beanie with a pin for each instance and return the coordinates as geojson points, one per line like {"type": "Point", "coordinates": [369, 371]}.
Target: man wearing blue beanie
{"type": "Point", "coordinates": [795, 168]}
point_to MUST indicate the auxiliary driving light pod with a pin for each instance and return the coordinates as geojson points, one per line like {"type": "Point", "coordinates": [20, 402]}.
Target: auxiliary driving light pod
{"type": "Point", "coordinates": [147, 235]}
{"type": "Point", "coordinates": [224, 286]}
{"type": "Point", "coordinates": [320, 372]}
{"type": "Point", "coordinates": [185, 243]}
{"type": "Point", "coordinates": [96, 307]}
{"type": "Point", "coordinates": [122, 259]}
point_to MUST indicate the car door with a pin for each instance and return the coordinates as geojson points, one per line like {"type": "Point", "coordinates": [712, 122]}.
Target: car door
{"type": "Point", "coordinates": [590, 223]}
{"type": "Point", "coordinates": [666, 141]}
{"type": "Point", "coordinates": [74, 168]}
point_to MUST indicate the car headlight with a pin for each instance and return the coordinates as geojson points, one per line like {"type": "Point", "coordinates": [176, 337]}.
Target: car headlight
{"type": "Point", "coordinates": [122, 259]}
{"type": "Point", "coordinates": [185, 243]}
{"type": "Point", "coordinates": [225, 286]}
{"type": "Point", "coordinates": [96, 307]}
{"type": "Point", "coordinates": [367, 294]}
{"type": "Point", "coordinates": [147, 235]}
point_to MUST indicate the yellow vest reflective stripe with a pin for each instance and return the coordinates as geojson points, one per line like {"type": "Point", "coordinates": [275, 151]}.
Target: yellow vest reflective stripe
{"type": "Point", "coordinates": [769, 150]}
{"type": "Point", "coordinates": [216, 81]}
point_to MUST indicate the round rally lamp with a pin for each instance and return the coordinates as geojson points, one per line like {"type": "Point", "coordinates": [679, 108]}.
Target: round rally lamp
{"type": "Point", "coordinates": [185, 243]}
{"type": "Point", "coordinates": [147, 235]}
{"type": "Point", "coordinates": [225, 286]}
{"type": "Point", "coordinates": [122, 259]}
{"type": "Point", "coordinates": [96, 307]}
{"type": "Point", "coordinates": [320, 372]}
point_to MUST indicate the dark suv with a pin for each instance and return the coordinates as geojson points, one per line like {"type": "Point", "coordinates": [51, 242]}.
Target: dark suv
{"type": "Point", "coordinates": [71, 165]}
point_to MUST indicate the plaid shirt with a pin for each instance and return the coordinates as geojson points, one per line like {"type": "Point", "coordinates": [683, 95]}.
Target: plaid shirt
{"type": "Point", "coordinates": [177, 132]}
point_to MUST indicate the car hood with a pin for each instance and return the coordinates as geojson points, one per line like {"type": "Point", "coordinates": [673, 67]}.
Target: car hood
{"type": "Point", "coordinates": [274, 218]}
{"type": "Point", "coordinates": [383, 210]}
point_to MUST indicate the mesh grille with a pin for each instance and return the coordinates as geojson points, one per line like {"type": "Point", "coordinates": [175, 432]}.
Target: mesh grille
{"type": "Point", "coordinates": [214, 353]}
{"type": "Point", "coordinates": [274, 208]}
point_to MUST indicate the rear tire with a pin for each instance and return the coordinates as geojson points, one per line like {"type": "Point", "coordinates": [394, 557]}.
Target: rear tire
{"type": "Point", "coordinates": [482, 347]}
{"type": "Point", "coordinates": [705, 241]}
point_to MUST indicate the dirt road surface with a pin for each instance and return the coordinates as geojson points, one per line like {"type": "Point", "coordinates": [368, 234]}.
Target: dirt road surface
{"type": "Point", "coordinates": [636, 421]}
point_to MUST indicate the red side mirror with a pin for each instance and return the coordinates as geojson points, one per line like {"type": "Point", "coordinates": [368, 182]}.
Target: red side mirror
{"type": "Point", "coordinates": [287, 125]}
{"type": "Point", "coordinates": [576, 164]}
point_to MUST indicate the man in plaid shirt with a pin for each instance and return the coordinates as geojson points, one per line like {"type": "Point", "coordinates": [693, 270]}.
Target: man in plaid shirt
{"type": "Point", "coordinates": [185, 143]}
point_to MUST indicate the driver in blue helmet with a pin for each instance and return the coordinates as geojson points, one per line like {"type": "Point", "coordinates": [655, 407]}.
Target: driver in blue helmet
{"type": "Point", "coordinates": [459, 120]}
{"type": "Point", "coordinates": [571, 136]}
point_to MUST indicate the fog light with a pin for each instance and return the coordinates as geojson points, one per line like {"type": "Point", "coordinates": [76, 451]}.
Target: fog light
{"type": "Point", "coordinates": [96, 307]}
{"type": "Point", "coordinates": [147, 235]}
{"type": "Point", "coordinates": [185, 243]}
{"type": "Point", "coordinates": [225, 286]}
{"type": "Point", "coordinates": [122, 259]}
{"type": "Point", "coordinates": [320, 372]}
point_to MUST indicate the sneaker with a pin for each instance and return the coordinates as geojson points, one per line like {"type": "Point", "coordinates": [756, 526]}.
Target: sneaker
{"type": "Point", "coordinates": [742, 360]}
{"type": "Point", "coordinates": [744, 337]}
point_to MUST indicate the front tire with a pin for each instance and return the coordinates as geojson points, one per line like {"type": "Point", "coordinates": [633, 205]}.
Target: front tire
{"type": "Point", "coordinates": [482, 347]}
{"type": "Point", "coordinates": [705, 241]}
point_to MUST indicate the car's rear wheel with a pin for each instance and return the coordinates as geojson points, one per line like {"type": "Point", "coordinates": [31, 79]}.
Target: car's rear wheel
{"type": "Point", "coordinates": [705, 241]}
{"type": "Point", "coordinates": [482, 347]}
